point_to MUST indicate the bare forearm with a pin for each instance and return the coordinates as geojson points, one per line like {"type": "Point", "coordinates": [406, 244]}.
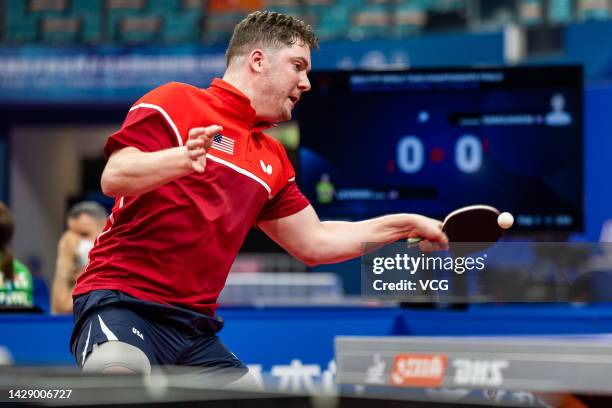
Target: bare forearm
{"type": "Point", "coordinates": [345, 240]}
{"type": "Point", "coordinates": [314, 242]}
{"type": "Point", "coordinates": [61, 291]}
{"type": "Point", "coordinates": [131, 172]}
{"type": "Point", "coordinates": [61, 297]}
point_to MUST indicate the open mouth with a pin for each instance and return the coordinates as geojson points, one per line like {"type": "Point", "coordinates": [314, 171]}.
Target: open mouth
{"type": "Point", "coordinates": [293, 99]}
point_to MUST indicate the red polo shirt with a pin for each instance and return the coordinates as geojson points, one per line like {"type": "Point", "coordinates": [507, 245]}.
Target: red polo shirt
{"type": "Point", "coordinates": [175, 244]}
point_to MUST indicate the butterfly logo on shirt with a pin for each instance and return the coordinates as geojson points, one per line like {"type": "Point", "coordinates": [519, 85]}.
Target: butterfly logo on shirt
{"type": "Point", "coordinates": [266, 168]}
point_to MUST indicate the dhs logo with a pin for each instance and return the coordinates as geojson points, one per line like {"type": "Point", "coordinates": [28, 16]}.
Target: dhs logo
{"type": "Point", "coordinates": [479, 372]}
{"type": "Point", "coordinates": [418, 370]}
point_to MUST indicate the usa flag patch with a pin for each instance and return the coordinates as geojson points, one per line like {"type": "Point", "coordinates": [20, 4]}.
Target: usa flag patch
{"type": "Point", "coordinates": [223, 143]}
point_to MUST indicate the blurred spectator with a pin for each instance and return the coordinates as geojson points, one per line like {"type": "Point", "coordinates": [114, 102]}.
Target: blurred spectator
{"type": "Point", "coordinates": [234, 5]}
{"type": "Point", "coordinates": [15, 279]}
{"type": "Point", "coordinates": [85, 222]}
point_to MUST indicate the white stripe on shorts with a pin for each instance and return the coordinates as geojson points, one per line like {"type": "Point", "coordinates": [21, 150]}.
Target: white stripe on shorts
{"type": "Point", "coordinates": [86, 344]}
{"type": "Point", "coordinates": [109, 334]}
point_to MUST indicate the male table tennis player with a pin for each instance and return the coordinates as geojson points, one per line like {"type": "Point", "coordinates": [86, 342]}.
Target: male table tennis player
{"type": "Point", "coordinates": [192, 171]}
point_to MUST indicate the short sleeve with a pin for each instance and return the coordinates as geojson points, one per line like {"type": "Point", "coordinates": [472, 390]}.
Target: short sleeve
{"type": "Point", "coordinates": [145, 129]}
{"type": "Point", "coordinates": [289, 200]}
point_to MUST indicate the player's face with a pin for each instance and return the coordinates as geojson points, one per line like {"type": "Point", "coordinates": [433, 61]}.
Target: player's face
{"type": "Point", "coordinates": [284, 81]}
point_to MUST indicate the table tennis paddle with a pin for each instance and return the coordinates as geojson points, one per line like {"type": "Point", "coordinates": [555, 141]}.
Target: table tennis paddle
{"type": "Point", "coordinates": [477, 224]}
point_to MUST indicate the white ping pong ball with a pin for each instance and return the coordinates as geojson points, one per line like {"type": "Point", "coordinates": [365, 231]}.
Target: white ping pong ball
{"type": "Point", "coordinates": [505, 220]}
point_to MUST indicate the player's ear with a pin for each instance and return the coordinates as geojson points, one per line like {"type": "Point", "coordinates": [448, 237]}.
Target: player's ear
{"type": "Point", "coordinates": [257, 59]}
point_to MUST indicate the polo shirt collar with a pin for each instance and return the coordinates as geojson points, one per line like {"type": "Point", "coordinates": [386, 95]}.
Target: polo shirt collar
{"type": "Point", "coordinates": [239, 101]}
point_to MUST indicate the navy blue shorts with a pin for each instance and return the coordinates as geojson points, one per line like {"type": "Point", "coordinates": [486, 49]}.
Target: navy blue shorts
{"type": "Point", "coordinates": [168, 335]}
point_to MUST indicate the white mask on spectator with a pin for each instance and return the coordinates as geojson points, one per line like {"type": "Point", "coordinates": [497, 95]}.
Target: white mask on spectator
{"type": "Point", "coordinates": [83, 248]}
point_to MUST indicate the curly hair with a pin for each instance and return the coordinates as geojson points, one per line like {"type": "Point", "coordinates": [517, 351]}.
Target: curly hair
{"type": "Point", "coordinates": [269, 29]}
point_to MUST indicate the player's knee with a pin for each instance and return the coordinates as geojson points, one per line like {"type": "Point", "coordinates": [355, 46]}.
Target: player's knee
{"type": "Point", "coordinates": [118, 370]}
{"type": "Point", "coordinates": [117, 357]}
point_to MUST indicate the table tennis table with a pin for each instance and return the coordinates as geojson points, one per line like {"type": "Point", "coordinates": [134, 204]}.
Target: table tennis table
{"type": "Point", "coordinates": [576, 363]}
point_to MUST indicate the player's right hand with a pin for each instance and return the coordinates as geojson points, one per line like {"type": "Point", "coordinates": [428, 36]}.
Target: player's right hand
{"type": "Point", "coordinates": [429, 232]}
{"type": "Point", "coordinates": [199, 141]}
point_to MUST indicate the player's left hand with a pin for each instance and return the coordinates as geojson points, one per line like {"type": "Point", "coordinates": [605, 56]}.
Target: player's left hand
{"type": "Point", "coordinates": [200, 140]}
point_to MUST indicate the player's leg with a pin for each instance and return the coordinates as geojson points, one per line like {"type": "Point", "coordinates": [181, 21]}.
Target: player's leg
{"type": "Point", "coordinates": [117, 357]}
{"type": "Point", "coordinates": [216, 366]}
{"type": "Point", "coordinates": [115, 339]}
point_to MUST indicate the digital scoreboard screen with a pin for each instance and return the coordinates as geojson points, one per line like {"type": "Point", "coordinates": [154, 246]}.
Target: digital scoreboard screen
{"type": "Point", "coordinates": [430, 141]}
